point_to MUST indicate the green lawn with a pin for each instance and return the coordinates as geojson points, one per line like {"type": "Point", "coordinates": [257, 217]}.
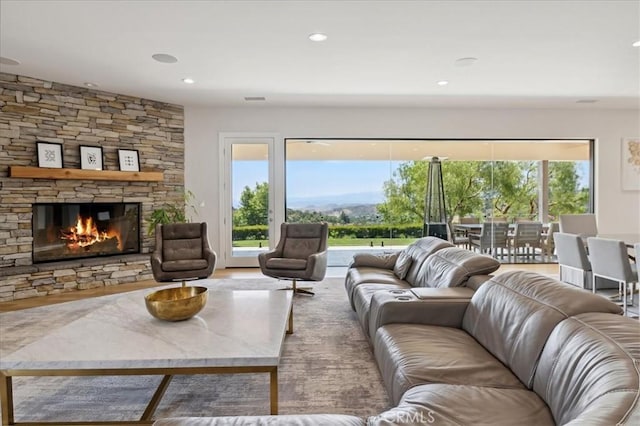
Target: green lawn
{"type": "Point", "coordinates": [342, 242]}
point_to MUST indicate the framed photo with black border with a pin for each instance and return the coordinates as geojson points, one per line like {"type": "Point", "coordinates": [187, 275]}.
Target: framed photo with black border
{"type": "Point", "coordinates": [91, 157]}
{"type": "Point", "coordinates": [128, 160]}
{"type": "Point", "coordinates": [49, 155]}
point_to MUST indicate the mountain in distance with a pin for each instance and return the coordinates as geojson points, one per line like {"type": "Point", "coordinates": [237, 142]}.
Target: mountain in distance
{"type": "Point", "coordinates": [327, 203]}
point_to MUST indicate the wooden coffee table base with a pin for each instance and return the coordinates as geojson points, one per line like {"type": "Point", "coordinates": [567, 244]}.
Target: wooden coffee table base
{"type": "Point", "coordinates": [6, 388]}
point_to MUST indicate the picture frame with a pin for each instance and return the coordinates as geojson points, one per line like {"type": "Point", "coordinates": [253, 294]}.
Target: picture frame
{"type": "Point", "coordinates": [91, 157]}
{"type": "Point", "coordinates": [129, 160]}
{"type": "Point", "coordinates": [630, 164]}
{"type": "Point", "coordinates": [49, 155]}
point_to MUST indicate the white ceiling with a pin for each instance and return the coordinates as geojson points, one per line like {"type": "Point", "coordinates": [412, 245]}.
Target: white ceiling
{"type": "Point", "coordinates": [541, 54]}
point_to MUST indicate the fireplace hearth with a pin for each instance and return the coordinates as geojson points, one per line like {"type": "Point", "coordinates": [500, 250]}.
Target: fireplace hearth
{"type": "Point", "coordinates": [65, 231]}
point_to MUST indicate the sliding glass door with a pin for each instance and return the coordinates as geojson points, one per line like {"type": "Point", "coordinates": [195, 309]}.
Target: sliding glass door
{"type": "Point", "coordinates": [372, 192]}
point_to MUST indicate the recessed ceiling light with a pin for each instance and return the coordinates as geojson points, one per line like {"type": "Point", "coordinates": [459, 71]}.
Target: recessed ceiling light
{"type": "Point", "coordinates": [586, 101]}
{"type": "Point", "coordinates": [443, 83]}
{"type": "Point", "coordinates": [636, 44]}
{"type": "Point", "coordinates": [8, 61]}
{"type": "Point", "coordinates": [317, 37]}
{"type": "Point", "coordinates": [188, 80]}
{"type": "Point", "coordinates": [254, 98]}
{"type": "Point", "coordinates": [165, 58]}
{"type": "Point", "coordinates": [91, 84]}
{"type": "Point", "coordinates": [465, 62]}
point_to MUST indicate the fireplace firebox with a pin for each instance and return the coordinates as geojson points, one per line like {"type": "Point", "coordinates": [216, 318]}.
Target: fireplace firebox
{"type": "Point", "coordinates": [64, 231]}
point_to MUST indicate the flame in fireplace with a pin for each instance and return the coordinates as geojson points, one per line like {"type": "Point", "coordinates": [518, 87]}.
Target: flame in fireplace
{"type": "Point", "coordinates": [86, 234]}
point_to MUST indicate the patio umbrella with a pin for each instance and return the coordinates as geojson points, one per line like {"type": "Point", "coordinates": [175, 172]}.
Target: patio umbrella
{"type": "Point", "coordinates": [435, 212]}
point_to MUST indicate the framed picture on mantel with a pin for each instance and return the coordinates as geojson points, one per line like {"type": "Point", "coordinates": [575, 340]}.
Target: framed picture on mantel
{"type": "Point", "coordinates": [90, 157]}
{"type": "Point", "coordinates": [49, 154]}
{"type": "Point", "coordinates": [128, 160]}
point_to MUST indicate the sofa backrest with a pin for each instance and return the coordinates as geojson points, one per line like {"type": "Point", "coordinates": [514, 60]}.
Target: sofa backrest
{"type": "Point", "coordinates": [588, 370]}
{"type": "Point", "coordinates": [513, 314]}
{"type": "Point", "coordinates": [452, 267]}
{"type": "Point", "coordinates": [419, 251]}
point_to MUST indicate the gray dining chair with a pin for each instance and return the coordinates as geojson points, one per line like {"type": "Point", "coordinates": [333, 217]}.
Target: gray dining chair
{"type": "Point", "coordinates": [527, 236]}
{"type": "Point", "coordinates": [609, 260]}
{"type": "Point", "coordinates": [493, 236]}
{"type": "Point", "coordinates": [572, 256]}
{"type": "Point", "coordinates": [581, 224]}
{"type": "Point", "coordinates": [457, 238]}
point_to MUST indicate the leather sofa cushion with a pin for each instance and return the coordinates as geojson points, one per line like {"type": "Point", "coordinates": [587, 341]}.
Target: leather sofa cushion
{"type": "Point", "coordinates": [449, 405]}
{"type": "Point", "coordinates": [588, 371]}
{"type": "Point", "coordinates": [184, 265]}
{"type": "Point", "coordinates": [362, 300]}
{"type": "Point", "coordinates": [364, 274]}
{"type": "Point", "coordinates": [452, 267]}
{"type": "Point", "coordinates": [412, 354]}
{"type": "Point", "coordinates": [282, 263]}
{"type": "Point", "coordinates": [300, 248]}
{"type": "Point", "coordinates": [286, 420]}
{"type": "Point", "coordinates": [513, 314]}
{"type": "Point", "coordinates": [182, 249]}
{"type": "Point", "coordinates": [419, 251]}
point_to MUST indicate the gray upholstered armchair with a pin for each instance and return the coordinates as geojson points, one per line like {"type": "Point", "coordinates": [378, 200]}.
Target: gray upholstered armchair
{"type": "Point", "coordinates": [182, 252]}
{"type": "Point", "coordinates": [301, 254]}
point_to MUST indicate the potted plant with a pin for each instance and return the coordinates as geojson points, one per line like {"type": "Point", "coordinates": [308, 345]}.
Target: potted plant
{"type": "Point", "coordinates": [172, 213]}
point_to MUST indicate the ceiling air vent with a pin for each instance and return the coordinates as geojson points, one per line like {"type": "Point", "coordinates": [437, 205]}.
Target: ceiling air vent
{"type": "Point", "coordinates": [255, 98]}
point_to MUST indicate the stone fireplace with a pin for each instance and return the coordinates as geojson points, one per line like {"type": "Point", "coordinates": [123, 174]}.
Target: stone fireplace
{"type": "Point", "coordinates": [39, 259]}
{"type": "Point", "coordinates": [65, 231]}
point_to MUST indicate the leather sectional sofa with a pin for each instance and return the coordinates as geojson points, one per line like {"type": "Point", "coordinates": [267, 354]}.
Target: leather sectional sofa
{"type": "Point", "coordinates": [516, 348]}
{"type": "Point", "coordinates": [429, 263]}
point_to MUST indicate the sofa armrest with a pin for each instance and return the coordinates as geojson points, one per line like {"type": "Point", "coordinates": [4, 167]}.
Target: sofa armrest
{"type": "Point", "coordinates": [431, 306]}
{"type": "Point", "coordinates": [211, 258]}
{"type": "Point", "coordinates": [156, 260]}
{"type": "Point", "coordinates": [264, 257]}
{"type": "Point", "coordinates": [317, 266]}
{"type": "Point", "coordinates": [443, 293]}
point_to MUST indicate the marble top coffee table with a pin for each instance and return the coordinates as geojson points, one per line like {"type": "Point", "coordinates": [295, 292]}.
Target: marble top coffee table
{"type": "Point", "coordinates": [236, 332]}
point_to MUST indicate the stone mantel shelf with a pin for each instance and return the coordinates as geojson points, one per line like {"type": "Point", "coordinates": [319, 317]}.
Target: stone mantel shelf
{"type": "Point", "coordinates": [50, 173]}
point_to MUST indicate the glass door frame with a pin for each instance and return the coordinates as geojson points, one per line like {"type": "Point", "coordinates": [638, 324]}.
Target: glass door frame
{"type": "Point", "coordinates": [276, 193]}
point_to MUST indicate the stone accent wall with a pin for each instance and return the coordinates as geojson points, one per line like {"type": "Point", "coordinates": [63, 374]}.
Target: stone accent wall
{"type": "Point", "coordinates": [34, 110]}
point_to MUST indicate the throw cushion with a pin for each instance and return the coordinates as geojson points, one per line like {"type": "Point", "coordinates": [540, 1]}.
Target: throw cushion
{"type": "Point", "coordinates": [381, 260]}
{"type": "Point", "coordinates": [403, 263]}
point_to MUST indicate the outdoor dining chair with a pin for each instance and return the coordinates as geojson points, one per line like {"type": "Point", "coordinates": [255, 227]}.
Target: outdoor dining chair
{"type": "Point", "coordinates": [526, 236]}
{"type": "Point", "coordinates": [493, 236]}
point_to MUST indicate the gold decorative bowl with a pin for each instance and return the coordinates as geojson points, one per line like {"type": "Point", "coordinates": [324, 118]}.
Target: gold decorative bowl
{"type": "Point", "coordinates": [176, 304]}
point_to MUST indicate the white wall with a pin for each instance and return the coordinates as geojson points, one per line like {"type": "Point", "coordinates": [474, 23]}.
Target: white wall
{"type": "Point", "coordinates": [617, 211]}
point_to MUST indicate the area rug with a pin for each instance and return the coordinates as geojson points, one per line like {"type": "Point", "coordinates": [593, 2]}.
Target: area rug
{"type": "Point", "coordinates": [327, 367]}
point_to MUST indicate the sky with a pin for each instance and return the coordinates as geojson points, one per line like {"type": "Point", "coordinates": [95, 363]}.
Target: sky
{"type": "Point", "coordinates": [315, 180]}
